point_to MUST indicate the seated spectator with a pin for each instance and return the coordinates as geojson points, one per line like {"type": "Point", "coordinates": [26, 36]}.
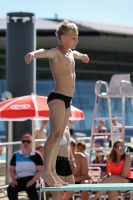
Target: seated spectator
{"type": "Point", "coordinates": [65, 166]}
{"type": "Point", "coordinates": [40, 148]}
{"type": "Point", "coordinates": [100, 158]}
{"type": "Point", "coordinates": [81, 172]}
{"type": "Point", "coordinates": [116, 128]}
{"type": "Point", "coordinates": [81, 147]}
{"type": "Point", "coordinates": [25, 169]}
{"type": "Point", "coordinates": [118, 169]}
{"type": "Point", "coordinates": [100, 129]}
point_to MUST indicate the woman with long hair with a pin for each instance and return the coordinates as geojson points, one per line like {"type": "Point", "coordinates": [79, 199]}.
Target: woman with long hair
{"type": "Point", "coordinates": [118, 169]}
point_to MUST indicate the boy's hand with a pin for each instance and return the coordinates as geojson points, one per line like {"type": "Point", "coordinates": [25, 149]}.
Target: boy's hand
{"type": "Point", "coordinates": [85, 58]}
{"type": "Point", "coordinates": [29, 57]}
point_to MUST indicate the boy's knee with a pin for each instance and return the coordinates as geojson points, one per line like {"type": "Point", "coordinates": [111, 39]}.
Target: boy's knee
{"type": "Point", "coordinates": [57, 135]}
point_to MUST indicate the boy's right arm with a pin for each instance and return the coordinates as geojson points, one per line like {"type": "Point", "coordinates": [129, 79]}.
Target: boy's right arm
{"type": "Point", "coordinates": [41, 53]}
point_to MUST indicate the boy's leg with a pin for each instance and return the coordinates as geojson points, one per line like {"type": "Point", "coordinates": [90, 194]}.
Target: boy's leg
{"type": "Point", "coordinates": [53, 166]}
{"type": "Point", "coordinates": [57, 116]}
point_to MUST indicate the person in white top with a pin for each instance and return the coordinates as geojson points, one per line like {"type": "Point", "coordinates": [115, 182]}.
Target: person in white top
{"type": "Point", "coordinates": [65, 166]}
{"type": "Point", "coordinates": [117, 128]}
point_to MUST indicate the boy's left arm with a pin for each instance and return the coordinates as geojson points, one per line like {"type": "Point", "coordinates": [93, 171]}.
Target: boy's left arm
{"type": "Point", "coordinates": [83, 57]}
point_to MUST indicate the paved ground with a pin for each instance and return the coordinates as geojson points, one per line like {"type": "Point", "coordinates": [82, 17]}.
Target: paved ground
{"type": "Point", "coordinates": [22, 196]}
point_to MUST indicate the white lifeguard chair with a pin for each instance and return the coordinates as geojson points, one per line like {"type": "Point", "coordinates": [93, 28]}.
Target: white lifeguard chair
{"type": "Point", "coordinates": [119, 87]}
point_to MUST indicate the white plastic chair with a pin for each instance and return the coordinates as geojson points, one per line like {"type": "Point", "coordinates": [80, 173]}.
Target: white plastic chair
{"type": "Point", "coordinates": [113, 90]}
{"type": "Point", "coordinates": [95, 174]}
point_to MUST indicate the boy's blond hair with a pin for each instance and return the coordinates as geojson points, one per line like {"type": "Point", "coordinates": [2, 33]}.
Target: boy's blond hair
{"type": "Point", "coordinates": [64, 28]}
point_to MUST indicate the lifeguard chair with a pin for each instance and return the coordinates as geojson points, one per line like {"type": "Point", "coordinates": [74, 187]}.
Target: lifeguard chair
{"type": "Point", "coordinates": [119, 87]}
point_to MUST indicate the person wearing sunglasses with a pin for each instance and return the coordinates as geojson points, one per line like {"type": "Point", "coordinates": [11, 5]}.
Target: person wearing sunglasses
{"type": "Point", "coordinates": [118, 169]}
{"type": "Point", "coordinates": [25, 169]}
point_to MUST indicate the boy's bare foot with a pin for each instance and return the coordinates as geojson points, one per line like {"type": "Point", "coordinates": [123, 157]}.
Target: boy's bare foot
{"type": "Point", "coordinates": [56, 177]}
{"type": "Point", "coordinates": [50, 181]}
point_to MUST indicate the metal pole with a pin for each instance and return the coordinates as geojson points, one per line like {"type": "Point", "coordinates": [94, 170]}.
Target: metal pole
{"type": "Point", "coordinates": [5, 96]}
{"type": "Point", "coordinates": [9, 150]}
{"type": "Point", "coordinates": [21, 79]}
{"type": "Point", "coordinates": [123, 117]}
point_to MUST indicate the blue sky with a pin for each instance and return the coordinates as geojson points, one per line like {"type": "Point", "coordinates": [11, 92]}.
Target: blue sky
{"type": "Point", "coordinates": [116, 12]}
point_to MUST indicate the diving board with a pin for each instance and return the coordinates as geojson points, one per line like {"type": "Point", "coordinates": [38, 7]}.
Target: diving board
{"type": "Point", "coordinates": [92, 187]}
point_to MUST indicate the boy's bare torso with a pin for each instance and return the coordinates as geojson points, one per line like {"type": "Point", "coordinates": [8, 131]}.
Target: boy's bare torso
{"type": "Point", "coordinates": [63, 71]}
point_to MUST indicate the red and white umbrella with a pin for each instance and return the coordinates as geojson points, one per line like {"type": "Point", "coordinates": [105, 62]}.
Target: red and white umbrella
{"type": "Point", "coordinates": [31, 107]}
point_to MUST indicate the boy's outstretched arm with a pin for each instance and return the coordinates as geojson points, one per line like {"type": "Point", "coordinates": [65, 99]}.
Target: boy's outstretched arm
{"type": "Point", "coordinates": [41, 53]}
{"type": "Point", "coordinates": [83, 57]}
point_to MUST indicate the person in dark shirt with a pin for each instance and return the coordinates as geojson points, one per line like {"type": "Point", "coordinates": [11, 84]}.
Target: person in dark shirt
{"type": "Point", "coordinates": [100, 129]}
